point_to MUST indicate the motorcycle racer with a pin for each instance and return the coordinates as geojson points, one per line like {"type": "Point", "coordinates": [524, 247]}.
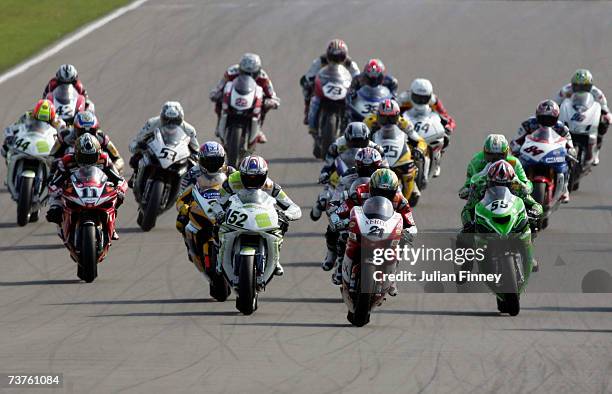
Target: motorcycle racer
{"type": "Point", "coordinates": [501, 173]}
{"type": "Point", "coordinates": [67, 74]}
{"type": "Point", "coordinates": [337, 52]}
{"type": "Point", "coordinates": [388, 114]}
{"type": "Point", "coordinates": [582, 81]}
{"type": "Point", "coordinates": [546, 115]}
{"type": "Point", "coordinates": [374, 73]}
{"type": "Point", "coordinates": [421, 92]}
{"type": "Point", "coordinates": [495, 148]}
{"type": "Point", "coordinates": [367, 161]}
{"type": "Point", "coordinates": [210, 171]}
{"type": "Point", "coordinates": [356, 136]}
{"type": "Point", "coordinates": [44, 111]}
{"type": "Point", "coordinates": [253, 175]}
{"type": "Point", "coordinates": [87, 152]}
{"type": "Point", "coordinates": [171, 114]}
{"type": "Point", "coordinates": [385, 183]}
{"type": "Point", "coordinates": [250, 64]}
{"type": "Point", "coordinates": [86, 122]}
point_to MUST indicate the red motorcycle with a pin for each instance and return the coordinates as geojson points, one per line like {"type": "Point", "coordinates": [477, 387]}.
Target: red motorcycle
{"type": "Point", "coordinates": [89, 219]}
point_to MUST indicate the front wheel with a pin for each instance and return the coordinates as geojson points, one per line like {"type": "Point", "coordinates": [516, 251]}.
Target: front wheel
{"type": "Point", "coordinates": [246, 302]}
{"type": "Point", "coordinates": [361, 316]}
{"type": "Point", "coordinates": [24, 204]}
{"type": "Point", "coordinates": [233, 145]}
{"type": "Point", "coordinates": [150, 210]}
{"type": "Point", "coordinates": [88, 260]}
{"type": "Point", "coordinates": [329, 131]}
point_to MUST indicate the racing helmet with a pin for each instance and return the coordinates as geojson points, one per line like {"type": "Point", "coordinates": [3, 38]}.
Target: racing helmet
{"type": "Point", "coordinates": [547, 113]}
{"type": "Point", "coordinates": [388, 113]}
{"type": "Point", "coordinates": [374, 72]}
{"type": "Point", "coordinates": [384, 183]}
{"type": "Point", "coordinates": [253, 172]}
{"type": "Point", "coordinates": [250, 64]}
{"type": "Point", "coordinates": [500, 173]}
{"type": "Point", "coordinates": [44, 111]}
{"type": "Point", "coordinates": [87, 150]}
{"type": "Point", "coordinates": [368, 160]}
{"type": "Point", "coordinates": [85, 122]}
{"type": "Point", "coordinates": [337, 51]}
{"type": "Point", "coordinates": [357, 135]}
{"type": "Point", "coordinates": [211, 157]}
{"type": "Point", "coordinates": [66, 73]}
{"type": "Point", "coordinates": [421, 91]}
{"type": "Point", "coordinates": [495, 148]}
{"type": "Point", "coordinates": [171, 114]}
{"type": "Point", "coordinates": [582, 81]}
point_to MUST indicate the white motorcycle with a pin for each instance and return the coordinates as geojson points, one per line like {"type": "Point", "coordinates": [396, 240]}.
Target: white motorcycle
{"type": "Point", "coordinates": [427, 124]}
{"type": "Point", "coordinates": [242, 107]}
{"type": "Point", "coordinates": [28, 172]}
{"type": "Point", "coordinates": [68, 102]}
{"type": "Point", "coordinates": [581, 114]}
{"type": "Point", "coordinates": [366, 101]}
{"type": "Point", "coordinates": [251, 238]}
{"type": "Point", "coordinates": [160, 171]}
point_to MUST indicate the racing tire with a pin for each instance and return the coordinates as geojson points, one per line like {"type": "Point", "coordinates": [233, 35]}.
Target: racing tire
{"type": "Point", "coordinates": [510, 302]}
{"type": "Point", "coordinates": [150, 210]}
{"type": "Point", "coordinates": [88, 260]}
{"type": "Point", "coordinates": [233, 146]}
{"type": "Point", "coordinates": [328, 127]}
{"type": "Point", "coordinates": [219, 288]}
{"type": "Point", "coordinates": [539, 193]}
{"type": "Point", "coordinates": [246, 302]}
{"type": "Point", "coordinates": [24, 203]}
{"type": "Point", "coordinates": [361, 316]}
{"type": "Point", "coordinates": [34, 216]}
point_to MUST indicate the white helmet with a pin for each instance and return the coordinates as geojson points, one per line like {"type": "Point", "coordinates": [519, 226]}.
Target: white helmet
{"type": "Point", "coordinates": [250, 64]}
{"type": "Point", "coordinates": [421, 91]}
{"type": "Point", "coordinates": [67, 73]}
{"type": "Point", "coordinates": [172, 113]}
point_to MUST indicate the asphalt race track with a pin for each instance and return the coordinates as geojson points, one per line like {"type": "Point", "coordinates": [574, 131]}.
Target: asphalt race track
{"type": "Point", "coordinates": [147, 323]}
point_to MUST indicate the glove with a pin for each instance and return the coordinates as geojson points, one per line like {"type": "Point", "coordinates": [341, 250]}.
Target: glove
{"type": "Point", "coordinates": [219, 217]}
{"type": "Point", "coordinates": [324, 178]}
{"type": "Point", "coordinates": [54, 214]}
{"type": "Point", "coordinates": [408, 235]}
{"type": "Point", "coordinates": [272, 103]}
{"type": "Point", "coordinates": [283, 221]}
{"type": "Point", "coordinates": [215, 95]}
{"type": "Point", "coordinates": [469, 227]}
{"type": "Point", "coordinates": [464, 193]}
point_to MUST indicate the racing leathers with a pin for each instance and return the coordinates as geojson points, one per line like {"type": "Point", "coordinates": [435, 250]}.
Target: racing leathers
{"type": "Point", "coordinates": [329, 175]}
{"type": "Point", "coordinates": [606, 118]}
{"type": "Point", "coordinates": [436, 105]}
{"type": "Point", "coordinates": [340, 220]}
{"type": "Point", "coordinates": [54, 83]}
{"type": "Point", "coordinates": [288, 210]}
{"type": "Point", "coordinates": [479, 163]}
{"type": "Point", "coordinates": [307, 80]}
{"type": "Point", "coordinates": [139, 144]}
{"type": "Point", "coordinates": [389, 81]}
{"type": "Point", "coordinates": [11, 132]}
{"type": "Point", "coordinates": [204, 226]}
{"type": "Point", "coordinates": [66, 140]}
{"type": "Point", "coordinates": [534, 210]}
{"type": "Point", "coordinates": [66, 165]}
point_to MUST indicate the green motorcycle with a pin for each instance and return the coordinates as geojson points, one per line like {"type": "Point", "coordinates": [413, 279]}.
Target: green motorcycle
{"type": "Point", "coordinates": [502, 230]}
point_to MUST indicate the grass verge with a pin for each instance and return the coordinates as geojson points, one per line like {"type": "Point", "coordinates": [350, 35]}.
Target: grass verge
{"type": "Point", "coordinates": [27, 26]}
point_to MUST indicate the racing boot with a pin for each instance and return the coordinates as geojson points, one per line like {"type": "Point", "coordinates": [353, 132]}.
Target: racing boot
{"type": "Point", "coordinates": [393, 289]}
{"type": "Point", "coordinates": [330, 260]}
{"type": "Point", "coordinates": [337, 275]}
{"type": "Point", "coordinates": [279, 271]}
{"type": "Point", "coordinates": [564, 198]}
{"type": "Point", "coordinates": [437, 170]}
{"type": "Point", "coordinates": [54, 214]}
{"type": "Point", "coordinates": [596, 157]}
{"type": "Point", "coordinates": [115, 236]}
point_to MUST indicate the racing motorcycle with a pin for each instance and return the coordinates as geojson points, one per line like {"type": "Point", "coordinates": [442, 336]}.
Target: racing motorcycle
{"type": "Point", "coordinates": [543, 155]}
{"type": "Point", "coordinates": [376, 225]}
{"type": "Point", "coordinates": [88, 220]}
{"type": "Point", "coordinates": [68, 102]}
{"type": "Point", "coordinates": [251, 238]}
{"type": "Point", "coordinates": [366, 101]}
{"type": "Point", "coordinates": [203, 249]}
{"type": "Point", "coordinates": [501, 221]}
{"type": "Point", "coordinates": [28, 171]}
{"type": "Point", "coordinates": [581, 114]}
{"type": "Point", "coordinates": [165, 161]}
{"type": "Point", "coordinates": [428, 125]}
{"type": "Point", "coordinates": [241, 116]}
{"type": "Point", "coordinates": [398, 155]}
{"type": "Point", "coordinates": [331, 87]}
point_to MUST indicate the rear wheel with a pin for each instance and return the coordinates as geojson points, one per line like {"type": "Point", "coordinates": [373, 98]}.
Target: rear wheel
{"type": "Point", "coordinates": [539, 193]}
{"type": "Point", "coordinates": [24, 204]}
{"type": "Point", "coordinates": [88, 260]}
{"type": "Point", "coordinates": [233, 146]}
{"type": "Point", "coordinates": [219, 288]}
{"type": "Point", "coordinates": [150, 210]}
{"type": "Point", "coordinates": [247, 296]}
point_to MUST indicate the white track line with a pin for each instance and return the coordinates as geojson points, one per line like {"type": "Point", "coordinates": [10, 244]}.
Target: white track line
{"type": "Point", "coordinates": [80, 33]}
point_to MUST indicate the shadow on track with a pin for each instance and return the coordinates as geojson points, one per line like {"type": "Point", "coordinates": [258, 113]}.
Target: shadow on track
{"type": "Point", "coordinates": [8, 225]}
{"type": "Point", "coordinates": [283, 324]}
{"type": "Point", "coordinates": [42, 282]}
{"type": "Point", "coordinates": [298, 185]}
{"type": "Point", "coordinates": [30, 247]}
{"type": "Point", "coordinates": [141, 302]}
{"type": "Point", "coordinates": [171, 314]}
{"type": "Point", "coordinates": [294, 160]}
{"type": "Point", "coordinates": [303, 235]}
{"type": "Point", "coordinates": [302, 264]}
{"type": "Point", "coordinates": [577, 330]}
{"type": "Point", "coordinates": [588, 309]}
{"type": "Point", "coordinates": [440, 313]}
